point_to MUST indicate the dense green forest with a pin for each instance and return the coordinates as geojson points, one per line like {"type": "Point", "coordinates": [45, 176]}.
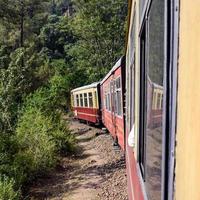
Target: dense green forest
{"type": "Point", "coordinates": [47, 48]}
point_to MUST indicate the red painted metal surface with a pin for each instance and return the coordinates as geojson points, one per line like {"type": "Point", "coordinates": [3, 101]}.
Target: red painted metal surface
{"type": "Point", "coordinates": [113, 122]}
{"type": "Point", "coordinates": [88, 114]}
{"type": "Point", "coordinates": [134, 185]}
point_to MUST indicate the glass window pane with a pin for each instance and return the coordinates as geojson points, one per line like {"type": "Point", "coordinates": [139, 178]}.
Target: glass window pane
{"type": "Point", "coordinates": [95, 99]}
{"type": "Point", "coordinates": [106, 101]}
{"type": "Point", "coordinates": [77, 100]}
{"type": "Point", "coordinates": [119, 110]}
{"type": "Point", "coordinates": [109, 102]}
{"type": "Point", "coordinates": [154, 90]}
{"type": "Point", "coordinates": [116, 103]}
{"type": "Point", "coordinates": [85, 100]}
{"type": "Point", "coordinates": [141, 4]}
{"type": "Point", "coordinates": [81, 100]}
{"type": "Point", "coordinates": [90, 100]}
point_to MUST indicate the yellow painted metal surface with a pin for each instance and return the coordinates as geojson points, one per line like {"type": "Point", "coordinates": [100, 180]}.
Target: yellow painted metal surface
{"type": "Point", "coordinates": [188, 126]}
{"type": "Point", "coordinates": [133, 14]}
{"type": "Point", "coordinates": [72, 100]}
{"type": "Point", "coordinates": [88, 90]}
{"type": "Point", "coordinates": [137, 80]}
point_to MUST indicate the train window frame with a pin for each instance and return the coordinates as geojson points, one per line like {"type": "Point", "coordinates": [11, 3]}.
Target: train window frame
{"type": "Point", "coordinates": [108, 98]}
{"type": "Point", "coordinates": [90, 100]}
{"type": "Point", "coordinates": [77, 100]}
{"type": "Point", "coordinates": [142, 96]}
{"type": "Point", "coordinates": [85, 97]}
{"type": "Point", "coordinates": [118, 96]}
{"type": "Point", "coordinates": [81, 100]}
{"type": "Point", "coordinates": [158, 101]}
{"type": "Point", "coordinates": [111, 90]}
{"type": "Point", "coordinates": [95, 99]}
{"type": "Point", "coordinates": [109, 106]}
{"type": "Point", "coordinates": [105, 99]}
{"type": "Point", "coordinates": [74, 96]}
{"type": "Point", "coordinates": [171, 38]}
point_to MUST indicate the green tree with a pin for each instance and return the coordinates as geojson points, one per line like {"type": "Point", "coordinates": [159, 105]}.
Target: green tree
{"type": "Point", "coordinates": [23, 17]}
{"type": "Point", "coordinates": [100, 27]}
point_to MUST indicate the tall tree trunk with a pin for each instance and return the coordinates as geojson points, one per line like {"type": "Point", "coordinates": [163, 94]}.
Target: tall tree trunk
{"type": "Point", "coordinates": [22, 24]}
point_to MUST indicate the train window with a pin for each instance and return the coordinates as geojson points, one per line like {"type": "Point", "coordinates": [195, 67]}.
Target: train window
{"type": "Point", "coordinates": [109, 108]}
{"type": "Point", "coordinates": [115, 102]}
{"type": "Point", "coordinates": [85, 100]}
{"type": "Point", "coordinates": [119, 103]}
{"type": "Point", "coordinates": [90, 99]}
{"type": "Point", "coordinates": [106, 102]}
{"type": "Point", "coordinates": [154, 101]}
{"type": "Point", "coordinates": [118, 97]}
{"type": "Point", "coordinates": [77, 100]}
{"type": "Point", "coordinates": [152, 69]}
{"type": "Point", "coordinates": [142, 96]}
{"type": "Point", "coordinates": [111, 96]}
{"type": "Point", "coordinates": [95, 99]}
{"type": "Point", "coordinates": [118, 83]}
{"type": "Point", "coordinates": [74, 100]}
{"type": "Point", "coordinates": [161, 100]}
{"type": "Point", "coordinates": [158, 101]}
{"type": "Point", "coordinates": [81, 100]}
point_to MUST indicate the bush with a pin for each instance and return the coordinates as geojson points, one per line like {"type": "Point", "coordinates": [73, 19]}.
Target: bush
{"type": "Point", "coordinates": [7, 191]}
{"type": "Point", "coordinates": [36, 153]}
{"type": "Point", "coordinates": [64, 140]}
{"type": "Point", "coordinates": [39, 139]}
{"type": "Point", "coordinates": [46, 101]}
{"type": "Point", "coordinates": [50, 98]}
{"type": "Point", "coordinates": [30, 149]}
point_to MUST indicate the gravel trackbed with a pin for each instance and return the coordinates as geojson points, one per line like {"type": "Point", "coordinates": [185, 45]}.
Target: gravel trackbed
{"type": "Point", "coordinates": [96, 172]}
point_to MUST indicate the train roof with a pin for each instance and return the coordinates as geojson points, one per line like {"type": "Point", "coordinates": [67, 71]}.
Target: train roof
{"type": "Point", "coordinates": [117, 65]}
{"type": "Point", "coordinates": [93, 85]}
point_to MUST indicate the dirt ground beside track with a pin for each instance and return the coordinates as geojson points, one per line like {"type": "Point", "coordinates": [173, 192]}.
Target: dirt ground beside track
{"type": "Point", "coordinates": [96, 172]}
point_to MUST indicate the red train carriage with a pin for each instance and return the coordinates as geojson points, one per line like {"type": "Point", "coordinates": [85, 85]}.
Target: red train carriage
{"type": "Point", "coordinates": [112, 97]}
{"type": "Point", "coordinates": [86, 103]}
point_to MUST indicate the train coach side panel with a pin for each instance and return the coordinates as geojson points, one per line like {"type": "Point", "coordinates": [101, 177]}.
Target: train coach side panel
{"type": "Point", "coordinates": [188, 112]}
{"type": "Point", "coordinates": [113, 122]}
{"type": "Point", "coordinates": [134, 183]}
{"type": "Point", "coordinates": [88, 114]}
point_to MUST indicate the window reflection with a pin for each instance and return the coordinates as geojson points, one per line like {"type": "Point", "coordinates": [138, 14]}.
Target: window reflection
{"type": "Point", "coordinates": [142, 3]}
{"type": "Point", "coordinates": [154, 97]}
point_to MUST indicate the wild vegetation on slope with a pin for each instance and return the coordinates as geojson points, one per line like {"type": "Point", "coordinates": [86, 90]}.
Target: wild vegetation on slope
{"type": "Point", "coordinates": [46, 49]}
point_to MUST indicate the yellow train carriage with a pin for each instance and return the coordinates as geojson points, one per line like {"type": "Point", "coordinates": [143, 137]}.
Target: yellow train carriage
{"type": "Point", "coordinates": [163, 46]}
{"type": "Point", "coordinates": [85, 103]}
